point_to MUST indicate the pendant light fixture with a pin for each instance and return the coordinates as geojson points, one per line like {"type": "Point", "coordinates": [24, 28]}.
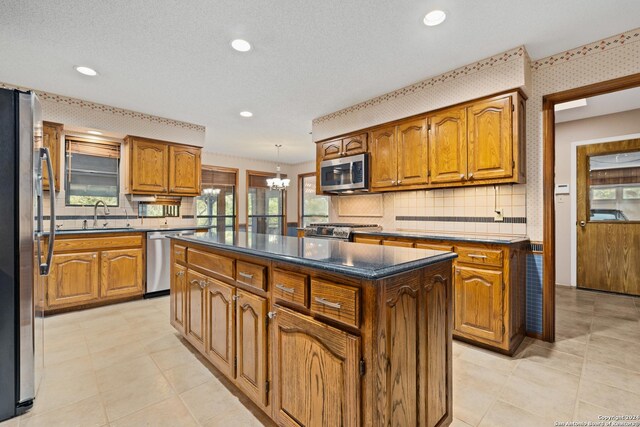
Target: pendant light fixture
{"type": "Point", "coordinates": [278, 183]}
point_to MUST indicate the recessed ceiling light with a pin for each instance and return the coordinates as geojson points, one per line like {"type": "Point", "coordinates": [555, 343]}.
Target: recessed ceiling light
{"type": "Point", "coordinates": [571, 104]}
{"type": "Point", "coordinates": [435, 17]}
{"type": "Point", "coordinates": [246, 113]}
{"type": "Point", "coordinates": [241, 45]}
{"type": "Point", "coordinates": [94, 132]}
{"type": "Point", "coordinates": [86, 71]}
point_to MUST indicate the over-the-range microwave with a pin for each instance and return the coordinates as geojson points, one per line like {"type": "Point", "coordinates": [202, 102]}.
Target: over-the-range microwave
{"type": "Point", "coordinates": [345, 175]}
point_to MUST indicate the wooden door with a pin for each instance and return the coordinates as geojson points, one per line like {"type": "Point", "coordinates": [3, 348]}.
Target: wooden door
{"type": "Point", "coordinates": [251, 346]}
{"type": "Point", "coordinates": [51, 134]}
{"type": "Point", "coordinates": [195, 315]}
{"type": "Point", "coordinates": [121, 273]}
{"type": "Point", "coordinates": [479, 302]}
{"type": "Point", "coordinates": [220, 326]}
{"type": "Point", "coordinates": [448, 146]}
{"type": "Point", "coordinates": [184, 170]}
{"type": "Point", "coordinates": [315, 373]}
{"type": "Point", "coordinates": [331, 149]}
{"type": "Point", "coordinates": [355, 144]}
{"type": "Point", "coordinates": [384, 158]}
{"type": "Point", "coordinates": [149, 166]}
{"type": "Point", "coordinates": [177, 297]}
{"type": "Point", "coordinates": [490, 139]}
{"type": "Point", "coordinates": [413, 163]}
{"type": "Point", "coordinates": [73, 279]}
{"type": "Point", "coordinates": [608, 217]}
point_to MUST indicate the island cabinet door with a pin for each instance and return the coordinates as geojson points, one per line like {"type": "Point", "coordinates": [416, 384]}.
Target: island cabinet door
{"type": "Point", "coordinates": [184, 170]}
{"type": "Point", "coordinates": [414, 351]}
{"type": "Point", "coordinates": [177, 296]}
{"type": "Point", "coordinates": [195, 314]}
{"type": "Point", "coordinates": [490, 134]}
{"type": "Point", "coordinates": [251, 346]}
{"type": "Point", "coordinates": [220, 330]}
{"type": "Point", "coordinates": [478, 303]}
{"type": "Point", "coordinates": [121, 273]}
{"type": "Point", "coordinates": [315, 373]}
{"type": "Point", "coordinates": [73, 279]}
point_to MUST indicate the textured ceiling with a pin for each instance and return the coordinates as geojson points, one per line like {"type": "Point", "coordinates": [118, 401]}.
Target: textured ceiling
{"type": "Point", "coordinates": [310, 58]}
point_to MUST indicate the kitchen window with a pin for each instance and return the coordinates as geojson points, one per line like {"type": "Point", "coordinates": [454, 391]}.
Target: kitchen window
{"type": "Point", "coordinates": [160, 209]}
{"type": "Point", "coordinates": [92, 172]}
{"type": "Point", "coordinates": [217, 205]}
{"type": "Point", "coordinates": [265, 207]}
{"type": "Point", "coordinates": [312, 208]}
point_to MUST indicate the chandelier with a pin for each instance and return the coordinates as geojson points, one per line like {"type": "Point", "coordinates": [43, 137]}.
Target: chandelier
{"type": "Point", "coordinates": [278, 183]}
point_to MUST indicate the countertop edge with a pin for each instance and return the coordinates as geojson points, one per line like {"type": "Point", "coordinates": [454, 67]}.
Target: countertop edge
{"type": "Point", "coordinates": [435, 236]}
{"type": "Point", "coordinates": [125, 230]}
{"type": "Point", "coordinates": [378, 274]}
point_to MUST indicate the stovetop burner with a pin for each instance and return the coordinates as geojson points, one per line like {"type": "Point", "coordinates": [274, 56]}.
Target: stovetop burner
{"type": "Point", "coordinates": [336, 230]}
{"type": "Point", "coordinates": [342, 224]}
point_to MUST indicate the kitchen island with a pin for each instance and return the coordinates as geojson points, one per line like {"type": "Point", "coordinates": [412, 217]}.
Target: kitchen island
{"type": "Point", "coordinates": [317, 331]}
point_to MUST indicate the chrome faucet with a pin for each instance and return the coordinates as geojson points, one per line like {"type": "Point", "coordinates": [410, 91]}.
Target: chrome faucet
{"type": "Point", "coordinates": [126, 215]}
{"type": "Point", "coordinates": [95, 213]}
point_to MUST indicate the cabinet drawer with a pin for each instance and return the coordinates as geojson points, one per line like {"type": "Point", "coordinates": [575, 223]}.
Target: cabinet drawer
{"type": "Point", "coordinates": [367, 240]}
{"type": "Point", "coordinates": [252, 275]}
{"type": "Point", "coordinates": [397, 243]}
{"type": "Point", "coordinates": [479, 256]}
{"type": "Point", "coordinates": [336, 301]}
{"type": "Point", "coordinates": [216, 264]}
{"type": "Point", "coordinates": [179, 253]}
{"type": "Point", "coordinates": [97, 243]}
{"type": "Point", "coordinates": [434, 246]}
{"type": "Point", "coordinates": [290, 287]}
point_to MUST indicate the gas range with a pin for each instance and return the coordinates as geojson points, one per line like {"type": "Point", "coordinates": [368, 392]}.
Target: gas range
{"type": "Point", "coordinates": [337, 230]}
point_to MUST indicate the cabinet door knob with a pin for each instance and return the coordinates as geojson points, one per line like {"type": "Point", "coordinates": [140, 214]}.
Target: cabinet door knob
{"type": "Point", "coordinates": [180, 273]}
{"type": "Point", "coordinates": [471, 175]}
{"type": "Point", "coordinates": [235, 297]}
{"type": "Point", "coordinates": [393, 182]}
{"type": "Point", "coordinates": [95, 256]}
{"type": "Point", "coordinates": [399, 181]}
{"type": "Point", "coordinates": [271, 314]}
{"type": "Point", "coordinates": [461, 176]}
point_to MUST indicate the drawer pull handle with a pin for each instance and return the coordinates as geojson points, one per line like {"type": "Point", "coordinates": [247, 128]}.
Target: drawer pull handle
{"type": "Point", "coordinates": [283, 288]}
{"type": "Point", "coordinates": [477, 256]}
{"type": "Point", "coordinates": [323, 301]}
{"type": "Point", "coordinates": [195, 282]}
{"type": "Point", "coordinates": [245, 275]}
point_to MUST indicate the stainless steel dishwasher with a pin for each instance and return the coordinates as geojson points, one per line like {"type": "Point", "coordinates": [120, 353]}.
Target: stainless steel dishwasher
{"type": "Point", "coordinates": [159, 261]}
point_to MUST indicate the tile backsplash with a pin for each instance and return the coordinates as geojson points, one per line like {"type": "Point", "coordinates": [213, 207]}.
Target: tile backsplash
{"type": "Point", "coordinates": [463, 210]}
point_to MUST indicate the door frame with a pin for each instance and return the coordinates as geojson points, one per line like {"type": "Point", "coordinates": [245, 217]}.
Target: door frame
{"type": "Point", "coordinates": [548, 184]}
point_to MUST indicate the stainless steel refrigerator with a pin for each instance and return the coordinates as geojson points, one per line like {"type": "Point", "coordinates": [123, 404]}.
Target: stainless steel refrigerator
{"type": "Point", "coordinates": [23, 265]}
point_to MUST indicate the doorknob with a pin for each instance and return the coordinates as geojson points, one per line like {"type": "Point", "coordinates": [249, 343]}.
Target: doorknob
{"type": "Point", "coordinates": [582, 223]}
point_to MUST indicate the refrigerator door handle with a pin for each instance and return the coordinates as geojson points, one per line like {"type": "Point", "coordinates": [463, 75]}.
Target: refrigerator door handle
{"type": "Point", "coordinates": [44, 268]}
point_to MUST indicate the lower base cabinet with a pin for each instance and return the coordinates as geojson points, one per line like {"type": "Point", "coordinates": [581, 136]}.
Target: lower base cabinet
{"type": "Point", "coordinates": [177, 291]}
{"type": "Point", "coordinates": [315, 374]}
{"type": "Point", "coordinates": [195, 319]}
{"type": "Point", "coordinates": [122, 272]}
{"type": "Point", "coordinates": [220, 326]}
{"type": "Point", "coordinates": [73, 279]}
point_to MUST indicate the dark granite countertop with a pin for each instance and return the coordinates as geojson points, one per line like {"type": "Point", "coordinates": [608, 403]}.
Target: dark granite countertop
{"type": "Point", "coordinates": [443, 235]}
{"type": "Point", "coordinates": [141, 229]}
{"type": "Point", "coordinates": [351, 259]}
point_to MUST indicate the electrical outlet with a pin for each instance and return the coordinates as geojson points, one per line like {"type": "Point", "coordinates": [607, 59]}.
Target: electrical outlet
{"type": "Point", "coordinates": [498, 217]}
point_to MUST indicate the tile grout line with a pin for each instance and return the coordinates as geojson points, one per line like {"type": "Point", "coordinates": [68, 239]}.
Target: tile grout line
{"type": "Point", "coordinates": [576, 404]}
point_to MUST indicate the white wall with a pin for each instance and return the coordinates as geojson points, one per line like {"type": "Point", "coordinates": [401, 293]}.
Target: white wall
{"type": "Point", "coordinates": [568, 133]}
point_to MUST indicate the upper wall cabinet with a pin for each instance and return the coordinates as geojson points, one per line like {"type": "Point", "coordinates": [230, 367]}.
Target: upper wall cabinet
{"type": "Point", "coordinates": [476, 143]}
{"type": "Point", "coordinates": [51, 135]}
{"type": "Point", "coordinates": [157, 167]}
{"type": "Point", "coordinates": [351, 145]}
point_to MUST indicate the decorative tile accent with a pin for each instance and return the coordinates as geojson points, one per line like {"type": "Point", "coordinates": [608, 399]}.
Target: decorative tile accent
{"type": "Point", "coordinates": [74, 102]}
{"type": "Point", "coordinates": [420, 86]}
{"type": "Point", "coordinates": [507, 220]}
{"type": "Point", "coordinates": [534, 294]}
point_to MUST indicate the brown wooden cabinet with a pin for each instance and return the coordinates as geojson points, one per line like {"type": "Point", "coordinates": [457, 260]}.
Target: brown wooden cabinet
{"type": "Point", "coordinates": [479, 302]}
{"type": "Point", "coordinates": [51, 136]}
{"type": "Point", "coordinates": [448, 146]}
{"type": "Point", "coordinates": [177, 294]}
{"type": "Point", "coordinates": [220, 326]}
{"type": "Point", "coordinates": [149, 166]}
{"type": "Point", "coordinates": [163, 168]}
{"type": "Point", "coordinates": [121, 272]}
{"type": "Point", "coordinates": [251, 346]}
{"type": "Point", "coordinates": [73, 279]}
{"type": "Point", "coordinates": [184, 170]}
{"type": "Point", "coordinates": [309, 357]}
{"type": "Point", "coordinates": [413, 165]}
{"type": "Point", "coordinates": [490, 133]}
{"type": "Point", "coordinates": [88, 271]}
{"type": "Point", "coordinates": [195, 318]}
{"type": "Point", "coordinates": [349, 146]}
{"type": "Point", "coordinates": [474, 143]}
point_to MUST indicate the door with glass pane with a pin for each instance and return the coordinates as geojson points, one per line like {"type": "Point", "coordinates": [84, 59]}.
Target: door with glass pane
{"type": "Point", "coordinates": [265, 207]}
{"type": "Point", "coordinates": [216, 206]}
{"type": "Point", "coordinates": [313, 208]}
{"type": "Point", "coordinates": [608, 226]}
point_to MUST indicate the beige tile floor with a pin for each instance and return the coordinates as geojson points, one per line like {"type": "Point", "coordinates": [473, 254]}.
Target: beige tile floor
{"type": "Point", "coordinates": [123, 365]}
